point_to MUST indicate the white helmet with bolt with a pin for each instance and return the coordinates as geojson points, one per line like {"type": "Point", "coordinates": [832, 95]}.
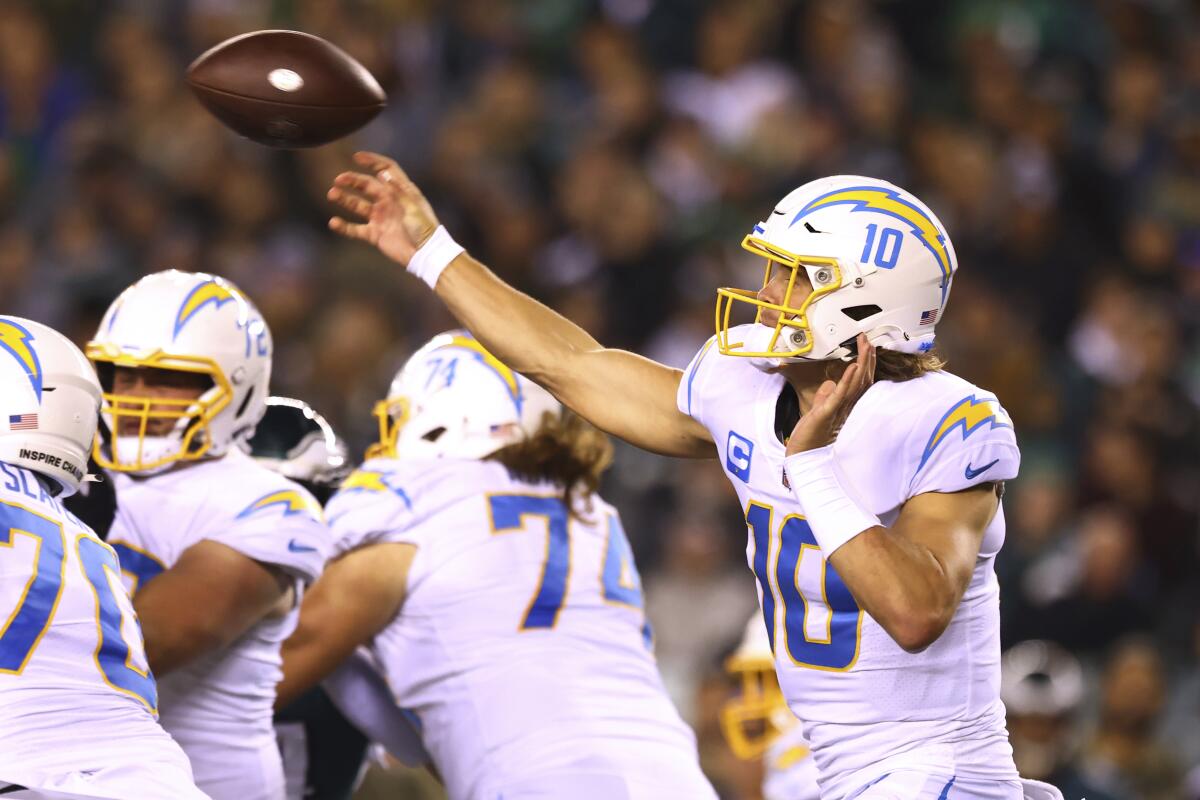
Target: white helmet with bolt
{"type": "Point", "coordinates": [49, 396]}
{"type": "Point", "coordinates": [454, 399]}
{"type": "Point", "coordinates": [880, 263]}
{"type": "Point", "coordinates": [186, 322]}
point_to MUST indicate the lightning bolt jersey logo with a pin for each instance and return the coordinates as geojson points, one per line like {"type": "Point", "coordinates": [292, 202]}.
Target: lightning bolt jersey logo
{"type": "Point", "coordinates": [889, 202]}
{"type": "Point", "coordinates": [371, 481]}
{"type": "Point", "coordinates": [212, 292]}
{"type": "Point", "coordinates": [17, 342]}
{"type": "Point", "coordinates": [969, 414]}
{"type": "Point", "coordinates": [292, 502]}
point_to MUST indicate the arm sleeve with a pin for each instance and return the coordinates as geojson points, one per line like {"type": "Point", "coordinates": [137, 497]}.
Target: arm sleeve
{"type": "Point", "coordinates": [403, 503]}
{"type": "Point", "coordinates": [386, 501]}
{"type": "Point", "coordinates": [359, 519]}
{"type": "Point", "coordinates": [687, 398]}
{"type": "Point", "coordinates": [970, 442]}
{"type": "Point", "coordinates": [298, 542]}
{"type": "Point", "coordinates": [363, 696]}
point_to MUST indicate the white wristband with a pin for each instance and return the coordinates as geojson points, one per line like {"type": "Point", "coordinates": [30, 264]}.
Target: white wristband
{"type": "Point", "coordinates": [434, 256]}
{"type": "Point", "coordinates": [834, 517]}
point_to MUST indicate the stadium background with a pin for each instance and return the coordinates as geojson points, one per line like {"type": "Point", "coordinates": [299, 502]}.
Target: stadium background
{"type": "Point", "coordinates": [608, 156]}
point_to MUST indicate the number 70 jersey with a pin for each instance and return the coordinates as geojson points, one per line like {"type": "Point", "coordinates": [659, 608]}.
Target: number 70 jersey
{"type": "Point", "coordinates": [863, 699]}
{"type": "Point", "coordinates": [76, 693]}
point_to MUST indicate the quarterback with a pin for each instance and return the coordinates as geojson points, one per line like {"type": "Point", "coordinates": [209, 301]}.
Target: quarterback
{"type": "Point", "coordinates": [498, 593]}
{"type": "Point", "coordinates": [215, 547]}
{"type": "Point", "coordinates": [77, 699]}
{"type": "Point", "coordinates": [870, 477]}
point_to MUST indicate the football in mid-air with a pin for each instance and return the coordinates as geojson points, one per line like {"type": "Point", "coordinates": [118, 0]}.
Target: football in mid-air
{"type": "Point", "coordinates": [285, 88]}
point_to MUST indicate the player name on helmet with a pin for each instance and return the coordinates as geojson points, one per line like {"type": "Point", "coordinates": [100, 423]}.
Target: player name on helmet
{"type": "Point", "coordinates": [52, 461]}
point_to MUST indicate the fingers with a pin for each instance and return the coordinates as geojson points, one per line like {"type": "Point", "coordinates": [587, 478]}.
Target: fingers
{"type": "Point", "coordinates": [375, 161]}
{"type": "Point", "coordinates": [369, 185]}
{"type": "Point", "coordinates": [387, 169]}
{"type": "Point", "coordinates": [830, 397]}
{"type": "Point", "coordinates": [823, 392]}
{"type": "Point", "coordinates": [866, 360]}
{"type": "Point", "coordinates": [350, 230]}
{"type": "Point", "coordinates": [350, 202]}
{"type": "Point", "coordinates": [847, 384]}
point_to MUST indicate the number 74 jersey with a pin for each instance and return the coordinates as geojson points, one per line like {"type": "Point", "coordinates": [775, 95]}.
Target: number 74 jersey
{"type": "Point", "coordinates": [864, 701]}
{"type": "Point", "coordinates": [76, 694]}
{"type": "Point", "coordinates": [521, 648]}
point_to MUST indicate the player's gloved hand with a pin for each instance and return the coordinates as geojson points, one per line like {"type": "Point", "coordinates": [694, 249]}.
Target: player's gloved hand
{"type": "Point", "coordinates": [833, 403]}
{"type": "Point", "coordinates": [398, 217]}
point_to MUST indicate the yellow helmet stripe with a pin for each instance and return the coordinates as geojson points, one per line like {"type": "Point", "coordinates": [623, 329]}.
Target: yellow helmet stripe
{"type": "Point", "coordinates": [888, 201]}
{"type": "Point", "coordinates": [499, 367]}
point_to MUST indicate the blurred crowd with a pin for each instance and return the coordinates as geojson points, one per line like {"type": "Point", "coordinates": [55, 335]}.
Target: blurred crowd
{"type": "Point", "coordinates": [608, 156]}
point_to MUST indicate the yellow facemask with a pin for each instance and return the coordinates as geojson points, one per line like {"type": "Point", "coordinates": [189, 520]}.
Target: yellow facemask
{"type": "Point", "coordinates": [753, 719]}
{"type": "Point", "coordinates": [198, 412]}
{"type": "Point", "coordinates": [826, 277]}
{"type": "Point", "coordinates": [391, 414]}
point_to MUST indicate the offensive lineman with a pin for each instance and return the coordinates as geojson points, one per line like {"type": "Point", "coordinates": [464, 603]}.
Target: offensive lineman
{"type": "Point", "coordinates": [498, 593]}
{"type": "Point", "coordinates": [870, 480]}
{"type": "Point", "coordinates": [216, 547]}
{"type": "Point", "coordinates": [77, 700]}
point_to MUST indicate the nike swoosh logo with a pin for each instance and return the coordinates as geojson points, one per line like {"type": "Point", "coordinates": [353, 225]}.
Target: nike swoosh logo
{"type": "Point", "coordinates": [303, 548]}
{"type": "Point", "coordinates": [974, 473]}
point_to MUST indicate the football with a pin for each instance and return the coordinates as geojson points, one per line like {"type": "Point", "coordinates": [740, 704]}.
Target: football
{"type": "Point", "coordinates": [285, 88]}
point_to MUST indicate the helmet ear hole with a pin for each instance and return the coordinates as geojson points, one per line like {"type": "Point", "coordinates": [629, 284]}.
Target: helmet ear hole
{"type": "Point", "coordinates": [434, 435]}
{"type": "Point", "coordinates": [245, 402]}
{"type": "Point", "coordinates": [859, 313]}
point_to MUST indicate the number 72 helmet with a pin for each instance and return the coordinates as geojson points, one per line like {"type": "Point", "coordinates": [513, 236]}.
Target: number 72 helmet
{"type": "Point", "coordinates": [185, 322]}
{"type": "Point", "coordinates": [48, 401]}
{"type": "Point", "coordinates": [879, 261]}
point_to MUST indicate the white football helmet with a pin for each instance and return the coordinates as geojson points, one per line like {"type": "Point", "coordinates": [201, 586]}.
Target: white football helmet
{"type": "Point", "coordinates": [49, 397]}
{"type": "Point", "coordinates": [189, 322]}
{"type": "Point", "coordinates": [880, 263]}
{"type": "Point", "coordinates": [754, 718]}
{"type": "Point", "coordinates": [454, 399]}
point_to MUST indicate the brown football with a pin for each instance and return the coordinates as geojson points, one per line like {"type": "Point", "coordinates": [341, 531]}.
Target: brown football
{"type": "Point", "coordinates": [285, 88]}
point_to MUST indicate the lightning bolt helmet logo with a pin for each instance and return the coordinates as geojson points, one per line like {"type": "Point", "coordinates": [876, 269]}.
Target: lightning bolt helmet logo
{"type": "Point", "coordinates": [17, 341]}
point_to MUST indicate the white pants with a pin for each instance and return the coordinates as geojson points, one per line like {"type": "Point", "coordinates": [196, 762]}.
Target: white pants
{"type": "Point", "coordinates": [915, 785]}
{"type": "Point", "coordinates": [242, 774]}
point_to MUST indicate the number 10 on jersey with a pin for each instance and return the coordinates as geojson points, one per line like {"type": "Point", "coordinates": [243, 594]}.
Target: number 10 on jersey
{"type": "Point", "coordinates": [822, 623]}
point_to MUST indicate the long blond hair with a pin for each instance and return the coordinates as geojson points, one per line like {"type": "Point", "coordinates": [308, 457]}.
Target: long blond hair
{"type": "Point", "coordinates": [565, 450]}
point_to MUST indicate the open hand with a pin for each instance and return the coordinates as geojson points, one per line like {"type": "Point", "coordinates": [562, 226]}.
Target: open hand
{"type": "Point", "coordinates": [398, 217]}
{"type": "Point", "coordinates": [833, 403]}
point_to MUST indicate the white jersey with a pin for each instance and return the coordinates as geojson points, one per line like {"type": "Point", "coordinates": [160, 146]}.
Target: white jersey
{"type": "Point", "coordinates": [219, 707]}
{"type": "Point", "coordinates": [789, 769]}
{"type": "Point", "coordinates": [77, 700]}
{"type": "Point", "coordinates": [521, 650]}
{"type": "Point", "coordinates": [867, 705]}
